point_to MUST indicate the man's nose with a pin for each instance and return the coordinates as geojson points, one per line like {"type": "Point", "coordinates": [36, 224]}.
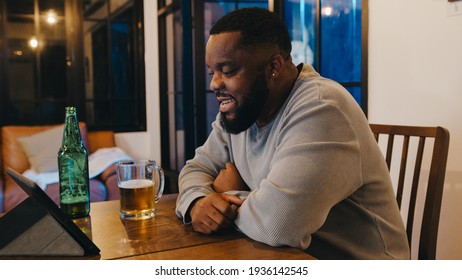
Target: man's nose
{"type": "Point", "coordinates": [217, 82]}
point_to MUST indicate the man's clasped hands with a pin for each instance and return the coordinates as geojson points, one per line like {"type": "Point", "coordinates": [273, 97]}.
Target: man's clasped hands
{"type": "Point", "coordinates": [218, 210]}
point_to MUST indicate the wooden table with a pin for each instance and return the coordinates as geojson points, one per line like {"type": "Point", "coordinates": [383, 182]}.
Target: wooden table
{"type": "Point", "coordinates": [165, 237]}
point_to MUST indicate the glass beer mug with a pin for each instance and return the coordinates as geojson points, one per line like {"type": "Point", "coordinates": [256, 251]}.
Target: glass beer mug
{"type": "Point", "coordinates": [141, 184]}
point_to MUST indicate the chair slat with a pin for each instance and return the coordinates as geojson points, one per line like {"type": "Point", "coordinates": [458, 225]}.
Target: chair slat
{"type": "Point", "coordinates": [402, 171]}
{"type": "Point", "coordinates": [414, 188]}
{"type": "Point", "coordinates": [391, 138]}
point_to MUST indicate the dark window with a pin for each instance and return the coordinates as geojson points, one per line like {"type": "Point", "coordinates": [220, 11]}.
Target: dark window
{"type": "Point", "coordinates": [328, 35]}
{"type": "Point", "coordinates": [33, 83]}
{"type": "Point", "coordinates": [89, 54]}
{"type": "Point", "coordinates": [114, 64]}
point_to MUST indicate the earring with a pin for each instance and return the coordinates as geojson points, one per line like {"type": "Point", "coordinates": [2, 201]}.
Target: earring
{"type": "Point", "coordinates": [272, 75]}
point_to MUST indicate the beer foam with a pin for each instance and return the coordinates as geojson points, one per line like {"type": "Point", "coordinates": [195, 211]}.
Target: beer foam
{"type": "Point", "coordinates": [136, 184]}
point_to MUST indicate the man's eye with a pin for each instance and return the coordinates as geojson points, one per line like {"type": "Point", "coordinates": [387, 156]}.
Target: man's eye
{"type": "Point", "coordinates": [211, 73]}
{"type": "Point", "coordinates": [229, 73]}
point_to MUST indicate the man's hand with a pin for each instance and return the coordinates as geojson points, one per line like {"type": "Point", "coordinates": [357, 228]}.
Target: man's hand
{"type": "Point", "coordinates": [214, 212]}
{"type": "Point", "coordinates": [229, 179]}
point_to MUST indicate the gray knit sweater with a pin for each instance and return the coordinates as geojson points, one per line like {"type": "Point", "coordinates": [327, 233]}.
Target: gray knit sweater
{"type": "Point", "coordinates": [318, 180]}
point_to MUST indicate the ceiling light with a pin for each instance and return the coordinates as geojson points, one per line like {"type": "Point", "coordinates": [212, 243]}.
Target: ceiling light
{"type": "Point", "coordinates": [51, 17]}
{"type": "Point", "coordinates": [33, 43]}
{"type": "Point", "coordinates": [327, 11]}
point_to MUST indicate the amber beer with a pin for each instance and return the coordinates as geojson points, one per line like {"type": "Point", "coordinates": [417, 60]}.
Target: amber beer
{"type": "Point", "coordinates": [141, 184]}
{"type": "Point", "coordinates": [137, 198]}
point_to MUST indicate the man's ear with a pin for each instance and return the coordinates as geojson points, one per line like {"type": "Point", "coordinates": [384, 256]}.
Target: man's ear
{"type": "Point", "coordinates": [277, 62]}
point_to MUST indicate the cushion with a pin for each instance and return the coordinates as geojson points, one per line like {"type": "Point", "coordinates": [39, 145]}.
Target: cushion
{"type": "Point", "coordinates": [42, 149]}
{"type": "Point", "coordinates": [12, 153]}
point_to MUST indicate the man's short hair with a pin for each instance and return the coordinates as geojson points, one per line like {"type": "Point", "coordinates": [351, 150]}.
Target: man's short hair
{"type": "Point", "coordinates": [258, 27]}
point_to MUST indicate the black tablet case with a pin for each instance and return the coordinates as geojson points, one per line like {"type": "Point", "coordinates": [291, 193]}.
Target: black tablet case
{"type": "Point", "coordinates": [37, 227]}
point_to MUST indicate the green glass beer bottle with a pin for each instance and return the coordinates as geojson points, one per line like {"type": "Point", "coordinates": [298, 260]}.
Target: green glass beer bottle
{"type": "Point", "coordinates": [74, 186]}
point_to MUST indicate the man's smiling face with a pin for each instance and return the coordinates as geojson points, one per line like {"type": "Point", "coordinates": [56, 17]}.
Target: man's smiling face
{"type": "Point", "coordinates": [238, 80]}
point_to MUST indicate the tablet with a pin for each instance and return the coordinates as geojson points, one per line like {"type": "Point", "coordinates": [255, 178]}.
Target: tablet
{"type": "Point", "coordinates": [34, 191]}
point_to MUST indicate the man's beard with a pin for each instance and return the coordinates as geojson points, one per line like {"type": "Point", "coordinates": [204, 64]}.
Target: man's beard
{"type": "Point", "coordinates": [247, 112]}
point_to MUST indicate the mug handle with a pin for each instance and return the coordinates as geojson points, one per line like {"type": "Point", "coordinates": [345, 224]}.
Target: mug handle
{"type": "Point", "coordinates": [160, 191]}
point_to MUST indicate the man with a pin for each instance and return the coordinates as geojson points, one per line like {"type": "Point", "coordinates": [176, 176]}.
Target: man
{"type": "Point", "coordinates": [291, 159]}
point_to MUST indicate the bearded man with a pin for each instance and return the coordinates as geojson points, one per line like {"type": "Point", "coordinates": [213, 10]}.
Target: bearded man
{"type": "Point", "coordinates": [291, 160]}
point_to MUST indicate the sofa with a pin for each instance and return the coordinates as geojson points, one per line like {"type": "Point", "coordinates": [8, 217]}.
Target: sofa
{"type": "Point", "coordinates": [13, 155]}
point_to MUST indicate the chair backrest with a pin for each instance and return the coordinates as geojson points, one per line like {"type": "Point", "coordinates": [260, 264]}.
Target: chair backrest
{"type": "Point", "coordinates": [434, 191]}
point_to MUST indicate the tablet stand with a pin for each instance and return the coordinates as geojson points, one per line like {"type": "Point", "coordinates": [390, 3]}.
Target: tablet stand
{"type": "Point", "coordinates": [29, 229]}
{"type": "Point", "coordinates": [37, 227]}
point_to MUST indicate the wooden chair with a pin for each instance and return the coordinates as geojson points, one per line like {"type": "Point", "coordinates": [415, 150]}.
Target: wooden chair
{"type": "Point", "coordinates": [434, 191]}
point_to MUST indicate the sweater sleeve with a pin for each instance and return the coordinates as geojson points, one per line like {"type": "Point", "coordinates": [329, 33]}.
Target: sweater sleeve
{"type": "Point", "coordinates": [316, 164]}
{"type": "Point", "coordinates": [197, 176]}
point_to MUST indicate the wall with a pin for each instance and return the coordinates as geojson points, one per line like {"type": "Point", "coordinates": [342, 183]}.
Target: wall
{"type": "Point", "coordinates": [415, 67]}
{"type": "Point", "coordinates": [415, 78]}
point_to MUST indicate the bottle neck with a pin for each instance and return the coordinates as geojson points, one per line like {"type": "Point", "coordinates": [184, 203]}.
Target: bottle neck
{"type": "Point", "coordinates": [71, 135]}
